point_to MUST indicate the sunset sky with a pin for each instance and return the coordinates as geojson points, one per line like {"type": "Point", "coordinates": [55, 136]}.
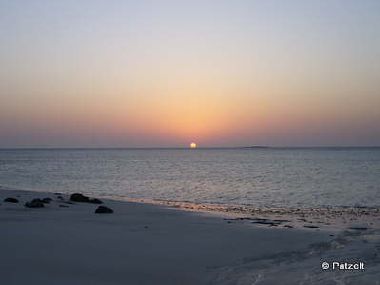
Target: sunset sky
{"type": "Point", "coordinates": [166, 73]}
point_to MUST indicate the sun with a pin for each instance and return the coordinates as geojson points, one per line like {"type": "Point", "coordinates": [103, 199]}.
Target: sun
{"type": "Point", "coordinates": [193, 145]}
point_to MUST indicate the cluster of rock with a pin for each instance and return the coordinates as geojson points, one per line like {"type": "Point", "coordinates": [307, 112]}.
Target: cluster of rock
{"type": "Point", "coordinates": [38, 203]}
{"type": "Point", "coordinates": [76, 197]}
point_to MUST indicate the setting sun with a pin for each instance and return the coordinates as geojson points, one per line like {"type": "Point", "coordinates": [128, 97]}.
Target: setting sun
{"type": "Point", "coordinates": [193, 145]}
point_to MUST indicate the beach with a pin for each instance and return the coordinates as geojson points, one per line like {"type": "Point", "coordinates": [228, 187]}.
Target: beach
{"type": "Point", "coordinates": [190, 142]}
{"type": "Point", "coordinates": [139, 243]}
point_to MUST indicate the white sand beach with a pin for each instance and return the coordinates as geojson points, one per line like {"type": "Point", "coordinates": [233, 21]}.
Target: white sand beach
{"type": "Point", "coordinates": [139, 243]}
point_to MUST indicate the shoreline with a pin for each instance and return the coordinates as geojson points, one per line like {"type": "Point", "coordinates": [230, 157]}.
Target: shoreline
{"type": "Point", "coordinates": [328, 218]}
{"type": "Point", "coordinates": [332, 218]}
{"type": "Point", "coordinates": [152, 244]}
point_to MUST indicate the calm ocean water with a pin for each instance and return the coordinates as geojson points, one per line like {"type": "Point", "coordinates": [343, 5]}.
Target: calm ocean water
{"type": "Point", "coordinates": [259, 177]}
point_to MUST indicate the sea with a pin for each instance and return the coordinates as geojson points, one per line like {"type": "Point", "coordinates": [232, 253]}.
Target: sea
{"type": "Point", "coordinates": [259, 177]}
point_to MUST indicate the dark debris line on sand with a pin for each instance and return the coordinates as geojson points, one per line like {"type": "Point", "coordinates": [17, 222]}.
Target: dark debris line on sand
{"type": "Point", "coordinates": [262, 221]}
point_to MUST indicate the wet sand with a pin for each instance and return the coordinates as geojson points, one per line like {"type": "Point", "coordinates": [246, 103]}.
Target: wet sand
{"type": "Point", "coordinates": [67, 243]}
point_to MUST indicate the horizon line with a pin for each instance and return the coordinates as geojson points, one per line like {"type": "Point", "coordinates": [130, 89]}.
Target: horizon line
{"type": "Point", "coordinates": [186, 148]}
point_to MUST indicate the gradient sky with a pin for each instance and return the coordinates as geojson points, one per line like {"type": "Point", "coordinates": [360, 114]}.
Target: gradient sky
{"type": "Point", "coordinates": [165, 73]}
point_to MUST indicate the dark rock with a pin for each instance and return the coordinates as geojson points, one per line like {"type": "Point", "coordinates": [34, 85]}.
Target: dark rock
{"type": "Point", "coordinates": [11, 200]}
{"type": "Point", "coordinates": [77, 197]}
{"type": "Point", "coordinates": [310, 226]}
{"type": "Point", "coordinates": [265, 222]}
{"type": "Point", "coordinates": [35, 203]}
{"type": "Point", "coordinates": [60, 197]}
{"type": "Point", "coordinates": [46, 200]}
{"type": "Point", "coordinates": [359, 228]}
{"type": "Point", "coordinates": [95, 201]}
{"type": "Point", "coordinates": [103, 210]}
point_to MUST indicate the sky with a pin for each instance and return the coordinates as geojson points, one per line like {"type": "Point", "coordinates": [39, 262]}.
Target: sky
{"type": "Point", "coordinates": [167, 73]}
